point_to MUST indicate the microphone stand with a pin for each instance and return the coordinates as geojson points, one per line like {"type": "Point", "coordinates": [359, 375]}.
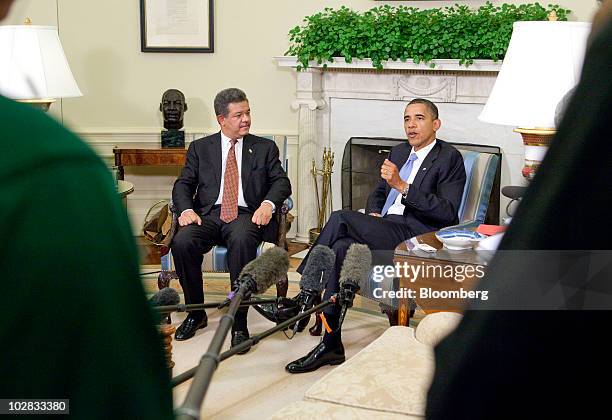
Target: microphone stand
{"type": "Point", "coordinates": [190, 409]}
{"type": "Point", "coordinates": [347, 296]}
{"type": "Point", "coordinates": [179, 379]}
{"type": "Point", "coordinates": [311, 295]}
{"type": "Point", "coordinates": [201, 306]}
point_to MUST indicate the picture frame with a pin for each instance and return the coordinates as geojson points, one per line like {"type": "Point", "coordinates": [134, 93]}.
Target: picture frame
{"type": "Point", "coordinates": [180, 26]}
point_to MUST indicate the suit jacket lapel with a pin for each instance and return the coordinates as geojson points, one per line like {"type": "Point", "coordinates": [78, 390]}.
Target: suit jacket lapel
{"type": "Point", "coordinates": [216, 157]}
{"type": "Point", "coordinates": [247, 156]}
{"type": "Point", "coordinates": [429, 159]}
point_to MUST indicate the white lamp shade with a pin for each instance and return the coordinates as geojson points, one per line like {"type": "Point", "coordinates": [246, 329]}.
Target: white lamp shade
{"type": "Point", "coordinates": [542, 64]}
{"type": "Point", "coordinates": [33, 64]}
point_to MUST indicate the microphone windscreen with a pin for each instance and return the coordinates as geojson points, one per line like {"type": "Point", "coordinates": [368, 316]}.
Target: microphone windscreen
{"type": "Point", "coordinates": [514, 192]}
{"type": "Point", "coordinates": [320, 261]}
{"type": "Point", "coordinates": [165, 297]}
{"type": "Point", "coordinates": [267, 269]}
{"type": "Point", "coordinates": [356, 265]}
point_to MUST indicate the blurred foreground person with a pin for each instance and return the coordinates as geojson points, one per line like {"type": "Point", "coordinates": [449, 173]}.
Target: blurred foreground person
{"type": "Point", "coordinates": [545, 363]}
{"type": "Point", "coordinates": [75, 323]}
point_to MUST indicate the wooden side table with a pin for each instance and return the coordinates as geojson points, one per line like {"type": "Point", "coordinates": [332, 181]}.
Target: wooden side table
{"type": "Point", "coordinates": [437, 266]}
{"type": "Point", "coordinates": [147, 157]}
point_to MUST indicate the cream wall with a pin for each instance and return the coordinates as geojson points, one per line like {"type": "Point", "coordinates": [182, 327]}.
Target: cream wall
{"type": "Point", "coordinates": [122, 86]}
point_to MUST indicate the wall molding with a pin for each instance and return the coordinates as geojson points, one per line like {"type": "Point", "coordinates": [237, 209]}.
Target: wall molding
{"type": "Point", "coordinates": [113, 131]}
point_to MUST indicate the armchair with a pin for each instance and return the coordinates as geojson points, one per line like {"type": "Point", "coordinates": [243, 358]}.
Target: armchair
{"type": "Point", "coordinates": [479, 204]}
{"type": "Point", "coordinates": [218, 254]}
{"type": "Point", "coordinates": [216, 259]}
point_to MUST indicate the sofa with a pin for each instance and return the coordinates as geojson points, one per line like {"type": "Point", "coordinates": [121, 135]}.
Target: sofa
{"type": "Point", "coordinates": [388, 379]}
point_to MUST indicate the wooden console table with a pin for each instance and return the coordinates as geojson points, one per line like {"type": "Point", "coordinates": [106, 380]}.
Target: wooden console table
{"type": "Point", "coordinates": [147, 157]}
{"type": "Point", "coordinates": [407, 252]}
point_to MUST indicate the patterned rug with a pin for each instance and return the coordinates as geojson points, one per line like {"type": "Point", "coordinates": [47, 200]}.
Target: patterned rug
{"type": "Point", "coordinates": [255, 385]}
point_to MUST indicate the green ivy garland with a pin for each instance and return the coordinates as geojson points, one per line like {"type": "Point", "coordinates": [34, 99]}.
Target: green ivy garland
{"type": "Point", "coordinates": [402, 33]}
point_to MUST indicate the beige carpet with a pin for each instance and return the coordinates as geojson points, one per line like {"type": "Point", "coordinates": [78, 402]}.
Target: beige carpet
{"type": "Point", "coordinates": [255, 385]}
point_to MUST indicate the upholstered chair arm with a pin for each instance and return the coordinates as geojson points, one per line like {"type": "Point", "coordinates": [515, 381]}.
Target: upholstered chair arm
{"type": "Point", "coordinates": [281, 239]}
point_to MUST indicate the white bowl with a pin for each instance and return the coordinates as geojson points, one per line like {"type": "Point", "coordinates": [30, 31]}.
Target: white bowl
{"type": "Point", "coordinates": [457, 239]}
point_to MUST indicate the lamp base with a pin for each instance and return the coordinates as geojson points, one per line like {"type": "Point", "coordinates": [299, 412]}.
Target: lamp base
{"type": "Point", "coordinates": [536, 143]}
{"type": "Point", "coordinates": [42, 104]}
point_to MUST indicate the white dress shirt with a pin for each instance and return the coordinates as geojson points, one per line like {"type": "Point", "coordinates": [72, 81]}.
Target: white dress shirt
{"type": "Point", "coordinates": [226, 144]}
{"type": "Point", "coordinates": [397, 207]}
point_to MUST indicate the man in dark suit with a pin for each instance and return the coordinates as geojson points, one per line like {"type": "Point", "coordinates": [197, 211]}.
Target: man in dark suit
{"type": "Point", "coordinates": [231, 185]}
{"type": "Point", "coordinates": [420, 191]}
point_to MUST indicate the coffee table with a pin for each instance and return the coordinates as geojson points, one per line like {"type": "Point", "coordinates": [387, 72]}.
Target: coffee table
{"type": "Point", "coordinates": [446, 275]}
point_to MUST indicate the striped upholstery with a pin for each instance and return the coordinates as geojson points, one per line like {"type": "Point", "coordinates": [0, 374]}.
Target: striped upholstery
{"type": "Point", "coordinates": [480, 169]}
{"type": "Point", "coordinates": [216, 259]}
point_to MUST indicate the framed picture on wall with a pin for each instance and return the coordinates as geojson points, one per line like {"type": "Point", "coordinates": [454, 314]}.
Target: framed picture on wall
{"type": "Point", "coordinates": [176, 26]}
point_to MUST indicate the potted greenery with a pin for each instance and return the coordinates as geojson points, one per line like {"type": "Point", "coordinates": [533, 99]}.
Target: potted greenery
{"type": "Point", "coordinates": [403, 33]}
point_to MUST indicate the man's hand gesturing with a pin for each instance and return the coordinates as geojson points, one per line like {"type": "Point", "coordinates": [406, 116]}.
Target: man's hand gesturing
{"type": "Point", "coordinates": [390, 173]}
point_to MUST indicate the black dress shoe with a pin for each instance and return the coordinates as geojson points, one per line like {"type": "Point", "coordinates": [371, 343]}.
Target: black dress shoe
{"type": "Point", "coordinates": [239, 336]}
{"type": "Point", "coordinates": [321, 355]}
{"type": "Point", "coordinates": [268, 311]}
{"type": "Point", "coordinates": [279, 312]}
{"type": "Point", "coordinates": [189, 327]}
{"type": "Point", "coordinates": [303, 323]}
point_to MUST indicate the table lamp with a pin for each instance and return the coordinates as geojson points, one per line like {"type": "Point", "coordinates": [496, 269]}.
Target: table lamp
{"type": "Point", "coordinates": [33, 66]}
{"type": "Point", "coordinates": [542, 65]}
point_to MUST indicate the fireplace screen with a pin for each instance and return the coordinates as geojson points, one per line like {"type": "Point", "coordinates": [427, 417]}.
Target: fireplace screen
{"type": "Point", "coordinates": [361, 162]}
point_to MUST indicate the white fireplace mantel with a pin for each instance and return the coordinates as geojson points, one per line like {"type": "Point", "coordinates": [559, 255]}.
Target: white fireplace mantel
{"type": "Point", "coordinates": [340, 100]}
{"type": "Point", "coordinates": [440, 64]}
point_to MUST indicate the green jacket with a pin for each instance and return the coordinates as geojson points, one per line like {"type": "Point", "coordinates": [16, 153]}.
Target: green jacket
{"type": "Point", "coordinates": [74, 321]}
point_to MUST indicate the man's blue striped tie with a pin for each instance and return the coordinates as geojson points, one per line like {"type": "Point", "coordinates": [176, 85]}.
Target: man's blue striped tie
{"type": "Point", "coordinates": [404, 173]}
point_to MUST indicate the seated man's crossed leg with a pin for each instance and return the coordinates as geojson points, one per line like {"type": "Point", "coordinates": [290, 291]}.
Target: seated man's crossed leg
{"type": "Point", "coordinates": [344, 228]}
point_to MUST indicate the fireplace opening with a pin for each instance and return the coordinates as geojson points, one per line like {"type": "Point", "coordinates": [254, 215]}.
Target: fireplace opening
{"type": "Point", "coordinates": [361, 162]}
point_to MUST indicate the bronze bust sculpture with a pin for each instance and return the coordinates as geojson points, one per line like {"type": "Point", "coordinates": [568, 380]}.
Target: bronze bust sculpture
{"type": "Point", "coordinates": [173, 107]}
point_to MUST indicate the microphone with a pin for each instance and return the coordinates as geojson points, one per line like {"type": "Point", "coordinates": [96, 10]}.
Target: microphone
{"type": "Point", "coordinates": [513, 192]}
{"type": "Point", "coordinates": [253, 340]}
{"type": "Point", "coordinates": [314, 279]}
{"type": "Point", "coordinates": [353, 275]}
{"type": "Point", "coordinates": [256, 277]}
{"type": "Point", "coordinates": [265, 270]}
{"type": "Point", "coordinates": [165, 297]}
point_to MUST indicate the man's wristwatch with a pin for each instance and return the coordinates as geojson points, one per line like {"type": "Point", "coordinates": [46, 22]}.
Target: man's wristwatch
{"type": "Point", "coordinates": [405, 191]}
